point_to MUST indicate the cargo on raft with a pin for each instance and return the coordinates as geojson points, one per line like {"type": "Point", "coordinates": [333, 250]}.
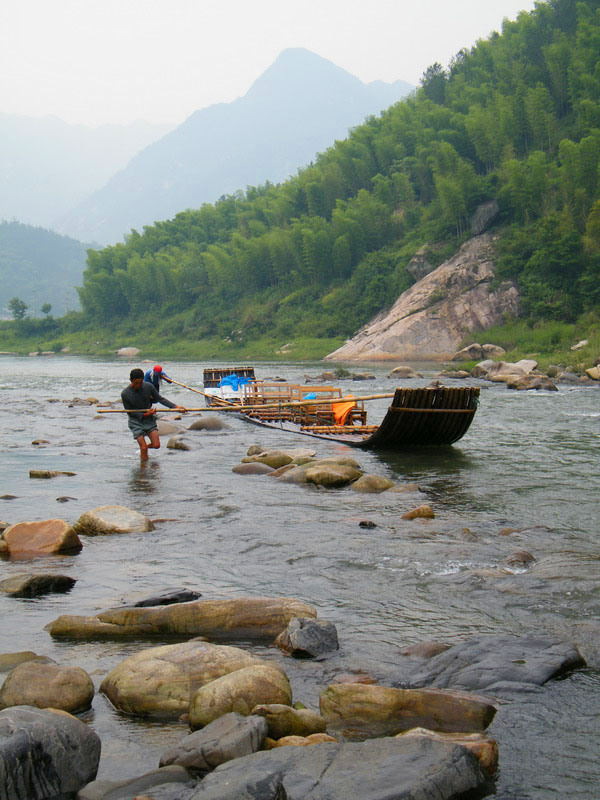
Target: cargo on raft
{"type": "Point", "coordinates": [438, 415]}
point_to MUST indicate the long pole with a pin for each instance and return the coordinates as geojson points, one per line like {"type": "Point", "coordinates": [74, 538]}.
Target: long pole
{"type": "Point", "coordinates": [242, 409]}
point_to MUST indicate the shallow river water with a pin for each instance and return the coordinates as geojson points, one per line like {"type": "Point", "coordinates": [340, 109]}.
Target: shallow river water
{"type": "Point", "coordinates": [530, 461]}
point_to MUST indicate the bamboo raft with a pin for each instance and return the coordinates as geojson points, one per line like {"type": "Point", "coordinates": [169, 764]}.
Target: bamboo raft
{"type": "Point", "coordinates": [428, 416]}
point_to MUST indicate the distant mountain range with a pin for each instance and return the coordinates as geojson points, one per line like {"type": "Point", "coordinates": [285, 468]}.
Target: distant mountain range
{"type": "Point", "coordinates": [297, 107]}
{"type": "Point", "coordinates": [39, 266]}
{"type": "Point", "coordinates": [47, 166]}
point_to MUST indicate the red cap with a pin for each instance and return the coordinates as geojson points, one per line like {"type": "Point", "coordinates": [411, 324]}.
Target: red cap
{"type": "Point", "coordinates": [158, 368]}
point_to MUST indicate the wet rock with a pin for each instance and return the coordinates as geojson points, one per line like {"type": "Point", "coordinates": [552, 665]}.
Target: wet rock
{"type": "Point", "coordinates": [4, 525]}
{"type": "Point", "coordinates": [383, 768]}
{"type": "Point", "coordinates": [175, 443]}
{"type": "Point", "coordinates": [255, 450]}
{"type": "Point", "coordinates": [47, 536]}
{"type": "Point", "coordinates": [257, 468]}
{"type": "Point", "coordinates": [272, 458]}
{"type": "Point", "coordinates": [209, 424]}
{"type": "Point", "coordinates": [167, 783]}
{"type": "Point", "coordinates": [167, 598]}
{"type": "Point", "coordinates": [529, 382]}
{"type": "Point", "coordinates": [40, 441]}
{"type": "Point", "coordinates": [331, 475]}
{"type": "Point", "coordinates": [421, 512]}
{"type": "Point", "coordinates": [469, 353]}
{"type": "Point", "coordinates": [459, 374]}
{"type": "Point", "coordinates": [353, 677]}
{"type": "Point", "coordinates": [481, 664]}
{"type": "Point", "coordinates": [9, 661]}
{"type": "Point", "coordinates": [362, 711]}
{"type": "Point", "coordinates": [568, 377]}
{"type": "Point", "coordinates": [161, 680]}
{"type": "Point", "coordinates": [112, 519]}
{"type": "Point", "coordinates": [231, 736]}
{"type": "Point", "coordinates": [68, 749]}
{"type": "Point", "coordinates": [402, 488]}
{"type": "Point", "coordinates": [307, 638]}
{"type": "Point", "coordinates": [404, 371]}
{"type": "Point", "coordinates": [372, 484]}
{"type": "Point", "coordinates": [8, 496]}
{"type": "Point", "coordinates": [239, 691]}
{"type": "Point", "coordinates": [242, 617]}
{"type": "Point", "coordinates": [166, 428]}
{"type": "Point", "coordinates": [483, 747]}
{"type": "Point", "coordinates": [49, 473]}
{"type": "Point", "coordinates": [32, 585]}
{"type": "Point", "coordinates": [47, 686]}
{"type": "Point", "coordinates": [425, 649]}
{"type": "Point", "coordinates": [64, 498]}
{"type": "Point", "coordinates": [362, 376]}
{"type": "Point", "coordinates": [520, 558]}
{"type": "Point", "coordinates": [367, 523]}
{"type": "Point", "coordinates": [507, 531]}
{"type": "Point", "coordinates": [302, 741]}
{"type": "Point", "coordinates": [283, 720]}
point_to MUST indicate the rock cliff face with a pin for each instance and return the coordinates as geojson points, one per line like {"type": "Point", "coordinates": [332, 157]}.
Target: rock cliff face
{"type": "Point", "coordinates": [429, 321]}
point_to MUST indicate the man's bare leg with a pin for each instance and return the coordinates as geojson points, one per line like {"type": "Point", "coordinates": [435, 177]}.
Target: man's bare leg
{"type": "Point", "coordinates": [154, 440]}
{"type": "Point", "coordinates": [141, 440]}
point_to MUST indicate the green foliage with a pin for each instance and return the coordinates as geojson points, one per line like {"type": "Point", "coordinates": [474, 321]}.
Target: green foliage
{"type": "Point", "coordinates": [17, 308]}
{"type": "Point", "coordinates": [515, 118]}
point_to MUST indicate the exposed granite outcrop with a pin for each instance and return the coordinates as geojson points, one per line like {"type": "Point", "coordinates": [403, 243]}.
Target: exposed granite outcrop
{"type": "Point", "coordinates": [430, 320]}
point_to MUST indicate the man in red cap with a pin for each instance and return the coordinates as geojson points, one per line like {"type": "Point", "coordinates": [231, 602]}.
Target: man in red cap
{"type": "Point", "coordinates": [155, 376]}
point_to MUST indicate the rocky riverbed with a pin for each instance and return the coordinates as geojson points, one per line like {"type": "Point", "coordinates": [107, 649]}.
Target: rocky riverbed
{"type": "Point", "coordinates": [476, 619]}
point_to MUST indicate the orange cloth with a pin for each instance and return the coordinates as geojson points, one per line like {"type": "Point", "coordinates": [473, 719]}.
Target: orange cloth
{"type": "Point", "coordinates": [342, 410]}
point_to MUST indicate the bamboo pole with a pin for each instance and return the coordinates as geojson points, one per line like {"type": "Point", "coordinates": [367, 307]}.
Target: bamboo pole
{"type": "Point", "coordinates": [242, 409]}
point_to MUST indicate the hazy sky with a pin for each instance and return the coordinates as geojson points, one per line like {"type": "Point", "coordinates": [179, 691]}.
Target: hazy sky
{"type": "Point", "coordinates": [97, 61]}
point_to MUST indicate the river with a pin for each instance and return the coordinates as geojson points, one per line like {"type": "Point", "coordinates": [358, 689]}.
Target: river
{"type": "Point", "coordinates": [529, 462]}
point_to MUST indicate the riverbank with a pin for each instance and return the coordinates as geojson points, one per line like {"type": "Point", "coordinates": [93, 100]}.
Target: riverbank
{"type": "Point", "coordinates": [549, 343]}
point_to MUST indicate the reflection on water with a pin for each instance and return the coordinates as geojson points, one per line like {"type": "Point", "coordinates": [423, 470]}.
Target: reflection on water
{"type": "Point", "coordinates": [528, 463]}
{"type": "Point", "coordinates": [145, 477]}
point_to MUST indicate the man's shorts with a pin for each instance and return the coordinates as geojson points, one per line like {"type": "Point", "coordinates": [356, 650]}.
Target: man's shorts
{"type": "Point", "coordinates": [142, 427]}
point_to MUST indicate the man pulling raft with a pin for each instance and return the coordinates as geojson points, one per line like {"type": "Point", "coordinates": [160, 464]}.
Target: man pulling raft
{"type": "Point", "coordinates": [141, 394]}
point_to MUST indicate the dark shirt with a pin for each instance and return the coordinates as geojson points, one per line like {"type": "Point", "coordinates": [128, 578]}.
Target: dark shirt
{"type": "Point", "coordinates": [143, 398]}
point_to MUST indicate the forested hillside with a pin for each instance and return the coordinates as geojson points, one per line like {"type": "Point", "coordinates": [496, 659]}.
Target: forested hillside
{"type": "Point", "coordinates": [39, 266]}
{"type": "Point", "coordinates": [515, 118]}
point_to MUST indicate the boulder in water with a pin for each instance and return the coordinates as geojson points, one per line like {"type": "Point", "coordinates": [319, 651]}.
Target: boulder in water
{"type": "Point", "coordinates": [159, 681]}
{"type": "Point", "coordinates": [228, 737]}
{"type": "Point", "coordinates": [404, 371]}
{"type": "Point", "coordinates": [360, 710]}
{"type": "Point", "coordinates": [306, 638]}
{"type": "Point", "coordinates": [283, 720]}
{"type": "Point", "coordinates": [256, 468]}
{"type": "Point", "coordinates": [35, 585]}
{"type": "Point", "coordinates": [483, 747]}
{"type": "Point", "coordinates": [166, 783]}
{"type": "Point", "coordinates": [331, 475]}
{"type": "Point", "coordinates": [44, 537]}
{"type": "Point", "coordinates": [112, 519]}
{"type": "Point", "coordinates": [45, 754]}
{"type": "Point", "coordinates": [239, 691]}
{"type": "Point", "coordinates": [175, 443]}
{"type": "Point", "coordinates": [208, 424]}
{"type": "Point", "coordinates": [372, 484]}
{"type": "Point", "coordinates": [47, 686]}
{"type": "Point", "coordinates": [49, 473]}
{"type": "Point", "coordinates": [421, 512]}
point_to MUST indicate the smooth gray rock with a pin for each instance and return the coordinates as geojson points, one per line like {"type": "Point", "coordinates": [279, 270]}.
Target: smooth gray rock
{"type": "Point", "coordinates": [208, 424]}
{"type": "Point", "coordinates": [231, 736]}
{"type": "Point", "coordinates": [176, 781]}
{"type": "Point", "coordinates": [30, 585]}
{"type": "Point", "coordinates": [483, 663]}
{"type": "Point", "coordinates": [44, 755]}
{"type": "Point", "coordinates": [379, 769]}
{"type": "Point", "coordinates": [256, 468]}
{"type": "Point", "coordinates": [306, 638]}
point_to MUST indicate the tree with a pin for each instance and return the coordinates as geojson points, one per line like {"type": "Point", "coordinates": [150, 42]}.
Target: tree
{"type": "Point", "coordinates": [434, 82]}
{"type": "Point", "coordinates": [17, 308]}
{"type": "Point", "coordinates": [46, 308]}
